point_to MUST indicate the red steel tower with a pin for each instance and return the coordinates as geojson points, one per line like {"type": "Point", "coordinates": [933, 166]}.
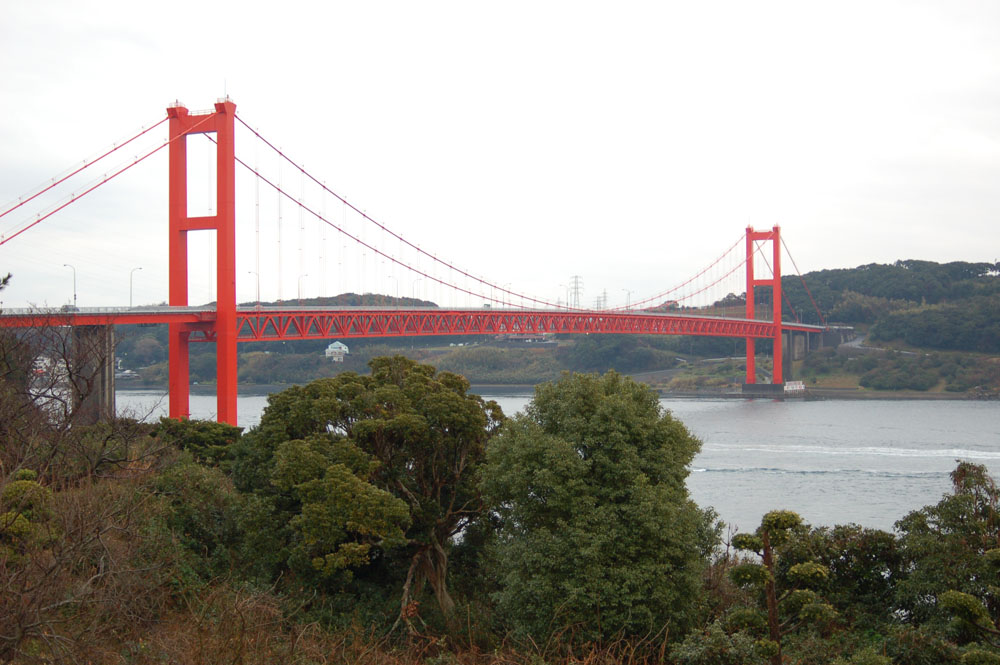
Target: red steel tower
{"type": "Point", "coordinates": [774, 235]}
{"type": "Point", "coordinates": [223, 329]}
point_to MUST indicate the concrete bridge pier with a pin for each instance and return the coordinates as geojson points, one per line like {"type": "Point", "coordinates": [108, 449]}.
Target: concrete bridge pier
{"type": "Point", "coordinates": [797, 345]}
{"type": "Point", "coordinates": [92, 374]}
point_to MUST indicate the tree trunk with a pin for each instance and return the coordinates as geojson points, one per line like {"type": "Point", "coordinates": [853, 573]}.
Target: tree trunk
{"type": "Point", "coordinates": [772, 599]}
{"type": "Point", "coordinates": [430, 564]}
{"type": "Point", "coordinates": [436, 571]}
{"type": "Point", "coordinates": [407, 608]}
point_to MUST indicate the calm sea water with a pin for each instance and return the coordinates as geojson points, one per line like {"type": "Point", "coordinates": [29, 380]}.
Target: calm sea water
{"type": "Point", "coordinates": [834, 462]}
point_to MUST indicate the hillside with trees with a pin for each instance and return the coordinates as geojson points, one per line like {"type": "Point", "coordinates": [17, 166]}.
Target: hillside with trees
{"type": "Point", "coordinates": [937, 325]}
{"type": "Point", "coordinates": [865, 294]}
{"type": "Point", "coordinates": [394, 517]}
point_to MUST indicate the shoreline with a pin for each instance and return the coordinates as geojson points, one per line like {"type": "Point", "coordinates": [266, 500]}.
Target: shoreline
{"type": "Point", "coordinates": [529, 389]}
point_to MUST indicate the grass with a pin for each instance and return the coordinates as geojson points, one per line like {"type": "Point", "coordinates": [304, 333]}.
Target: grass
{"type": "Point", "coordinates": [838, 380]}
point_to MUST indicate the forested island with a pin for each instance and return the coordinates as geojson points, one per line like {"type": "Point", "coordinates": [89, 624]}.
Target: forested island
{"type": "Point", "coordinates": [924, 328]}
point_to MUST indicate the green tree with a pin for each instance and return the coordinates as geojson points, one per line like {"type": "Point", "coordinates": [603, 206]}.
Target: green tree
{"type": "Point", "coordinates": [406, 430]}
{"type": "Point", "coordinates": [596, 532]}
{"type": "Point", "coordinates": [341, 517]}
{"type": "Point", "coordinates": [972, 324]}
{"type": "Point", "coordinates": [146, 351]}
{"type": "Point", "coordinates": [952, 546]}
{"type": "Point", "coordinates": [210, 442]}
{"type": "Point", "coordinates": [25, 513]}
{"type": "Point", "coordinates": [795, 602]}
{"type": "Point", "coordinates": [200, 512]}
{"type": "Point", "coordinates": [714, 646]}
{"type": "Point", "coordinates": [865, 565]}
{"type": "Point", "coordinates": [626, 353]}
{"type": "Point", "coordinates": [970, 613]}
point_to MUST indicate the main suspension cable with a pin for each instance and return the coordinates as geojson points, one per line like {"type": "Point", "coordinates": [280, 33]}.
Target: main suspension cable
{"type": "Point", "coordinates": [803, 280]}
{"type": "Point", "coordinates": [86, 164]}
{"type": "Point", "coordinates": [403, 240]}
{"type": "Point", "coordinates": [757, 250]}
{"type": "Point", "coordinates": [107, 178]}
{"type": "Point", "coordinates": [688, 281]}
{"type": "Point", "coordinates": [384, 255]}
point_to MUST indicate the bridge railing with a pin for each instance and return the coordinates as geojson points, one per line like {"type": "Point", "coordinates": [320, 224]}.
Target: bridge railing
{"type": "Point", "coordinates": [56, 311]}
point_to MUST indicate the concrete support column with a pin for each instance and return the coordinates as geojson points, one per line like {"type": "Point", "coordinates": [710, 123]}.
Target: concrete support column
{"type": "Point", "coordinates": [788, 352]}
{"type": "Point", "coordinates": [92, 374]}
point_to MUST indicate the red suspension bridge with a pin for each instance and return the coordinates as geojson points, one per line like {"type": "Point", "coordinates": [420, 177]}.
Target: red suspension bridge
{"type": "Point", "coordinates": [669, 312]}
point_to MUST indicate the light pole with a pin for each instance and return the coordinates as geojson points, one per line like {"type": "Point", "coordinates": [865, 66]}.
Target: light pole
{"type": "Point", "coordinates": [66, 265]}
{"type": "Point", "coordinates": [393, 277]}
{"type": "Point", "coordinates": [628, 297]}
{"type": "Point", "coordinates": [254, 272]}
{"type": "Point", "coordinates": [413, 287]}
{"type": "Point", "coordinates": [130, 274]}
{"type": "Point", "coordinates": [300, 286]}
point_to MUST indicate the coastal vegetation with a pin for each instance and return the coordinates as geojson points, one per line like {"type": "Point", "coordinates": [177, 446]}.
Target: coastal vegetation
{"type": "Point", "coordinates": [392, 516]}
{"type": "Point", "coordinates": [395, 517]}
{"type": "Point", "coordinates": [867, 293]}
{"type": "Point", "coordinates": [385, 514]}
{"type": "Point", "coordinates": [971, 374]}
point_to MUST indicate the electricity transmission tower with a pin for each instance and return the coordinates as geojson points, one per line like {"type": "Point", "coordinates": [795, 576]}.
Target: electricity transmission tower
{"type": "Point", "coordinates": [576, 288]}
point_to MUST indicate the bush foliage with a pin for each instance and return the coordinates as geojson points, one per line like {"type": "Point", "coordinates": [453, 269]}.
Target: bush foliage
{"type": "Point", "coordinates": [397, 518]}
{"type": "Point", "coordinates": [595, 529]}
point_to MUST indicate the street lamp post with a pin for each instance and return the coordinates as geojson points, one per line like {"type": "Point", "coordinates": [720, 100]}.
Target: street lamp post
{"type": "Point", "coordinates": [254, 272]}
{"type": "Point", "coordinates": [66, 265]}
{"type": "Point", "coordinates": [300, 286]}
{"type": "Point", "coordinates": [628, 297]}
{"type": "Point", "coordinates": [393, 277]}
{"type": "Point", "coordinates": [130, 274]}
{"type": "Point", "coordinates": [413, 288]}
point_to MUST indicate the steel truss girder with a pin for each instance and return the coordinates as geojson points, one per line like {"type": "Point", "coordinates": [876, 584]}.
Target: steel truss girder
{"type": "Point", "coordinates": [269, 325]}
{"type": "Point", "coordinates": [281, 325]}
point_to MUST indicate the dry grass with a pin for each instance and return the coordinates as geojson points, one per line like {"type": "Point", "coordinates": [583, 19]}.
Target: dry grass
{"type": "Point", "coordinates": [839, 381]}
{"type": "Point", "coordinates": [247, 629]}
{"type": "Point", "coordinates": [87, 577]}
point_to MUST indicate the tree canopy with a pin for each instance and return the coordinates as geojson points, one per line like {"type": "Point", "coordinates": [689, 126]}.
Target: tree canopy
{"type": "Point", "coordinates": [596, 533]}
{"type": "Point", "coordinates": [345, 455]}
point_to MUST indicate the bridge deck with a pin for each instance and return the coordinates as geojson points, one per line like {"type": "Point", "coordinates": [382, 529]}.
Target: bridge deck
{"type": "Point", "coordinates": [312, 322]}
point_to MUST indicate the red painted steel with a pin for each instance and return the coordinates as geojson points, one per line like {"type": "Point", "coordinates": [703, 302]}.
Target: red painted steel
{"type": "Point", "coordinates": [777, 355]}
{"type": "Point", "coordinates": [291, 323]}
{"type": "Point", "coordinates": [294, 324]}
{"type": "Point", "coordinates": [751, 344]}
{"type": "Point", "coordinates": [226, 325]}
{"type": "Point", "coordinates": [222, 123]}
{"type": "Point", "coordinates": [43, 319]}
{"type": "Point", "coordinates": [286, 324]}
{"type": "Point", "coordinates": [774, 236]}
{"type": "Point", "coordinates": [177, 336]}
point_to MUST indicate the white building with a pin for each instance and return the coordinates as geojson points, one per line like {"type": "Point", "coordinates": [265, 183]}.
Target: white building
{"type": "Point", "coordinates": [337, 351]}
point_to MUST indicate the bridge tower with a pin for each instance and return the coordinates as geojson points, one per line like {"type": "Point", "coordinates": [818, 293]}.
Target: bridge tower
{"type": "Point", "coordinates": [774, 235]}
{"type": "Point", "coordinates": [223, 222]}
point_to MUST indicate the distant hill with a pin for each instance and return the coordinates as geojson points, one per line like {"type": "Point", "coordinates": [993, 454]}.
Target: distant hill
{"type": "Point", "coordinates": [344, 300]}
{"type": "Point", "coordinates": [950, 306]}
{"type": "Point", "coordinates": [897, 285]}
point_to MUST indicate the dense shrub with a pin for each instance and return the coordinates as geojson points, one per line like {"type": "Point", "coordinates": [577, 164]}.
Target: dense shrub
{"type": "Point", "coordinates": [596, 535]}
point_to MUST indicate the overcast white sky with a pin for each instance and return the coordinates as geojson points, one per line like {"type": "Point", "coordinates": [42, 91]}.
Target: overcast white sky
{"type": "Point", "coordinates": [629, 143]}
